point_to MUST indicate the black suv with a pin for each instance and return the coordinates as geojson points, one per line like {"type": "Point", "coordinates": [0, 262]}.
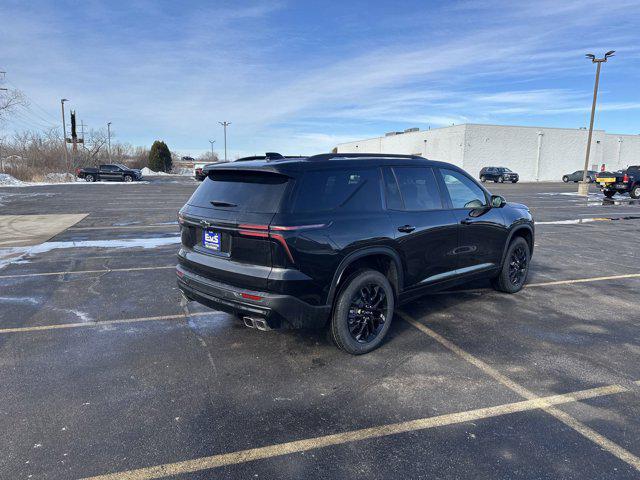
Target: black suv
{"type": "Point", "coordinates": [343, 239]}
{"type": "Point", "coordinates": [498, 174]}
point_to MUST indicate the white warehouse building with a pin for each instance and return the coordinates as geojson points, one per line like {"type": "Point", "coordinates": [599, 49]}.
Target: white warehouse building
{"type": "Point", "coordinates": [536, 153]}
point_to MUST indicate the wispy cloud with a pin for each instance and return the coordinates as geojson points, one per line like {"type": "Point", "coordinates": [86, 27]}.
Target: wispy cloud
{"type": "Point", "coordinates": [289, 76]}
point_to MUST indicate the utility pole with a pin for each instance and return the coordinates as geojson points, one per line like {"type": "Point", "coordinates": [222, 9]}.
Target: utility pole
{"type": "Point", "coordinates": [212, 142]}
{"type": "Point", "coordinates": [82, 132]}
{"type": "Point", "coordinates": [225, 125]}
{"type": "Point", "coordinates": [109, 140]}
{"type": "Point", "coordinates": [583, 186]}
{"type": "Point", "coordinates": [64, 134]}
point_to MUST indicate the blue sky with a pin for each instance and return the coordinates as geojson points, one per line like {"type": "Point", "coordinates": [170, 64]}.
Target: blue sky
{"type": "Point", "coordinates": [299, 77]}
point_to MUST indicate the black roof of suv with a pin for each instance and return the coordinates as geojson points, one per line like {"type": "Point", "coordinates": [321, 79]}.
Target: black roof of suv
{"type": "Point", "coordinates": [342, 239]}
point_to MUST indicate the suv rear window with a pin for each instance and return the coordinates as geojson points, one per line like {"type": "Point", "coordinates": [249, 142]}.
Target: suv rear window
{"type": "Point", "coordinates": [245, 191]}
{"type": "Point", "coordinates": [347, 190]}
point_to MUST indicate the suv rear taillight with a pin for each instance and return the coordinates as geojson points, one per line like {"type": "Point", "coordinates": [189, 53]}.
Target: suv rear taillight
{"type": "Point", "coordinates": [274, 232]}
{"type": "Point", "coordinates": [625, 179]}
{"type": "Point", "coordinates": [77, 172]}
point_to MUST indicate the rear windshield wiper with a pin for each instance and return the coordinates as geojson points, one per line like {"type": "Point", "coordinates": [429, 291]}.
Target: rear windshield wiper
{"type": "Point", "coordinates": [216, 203]}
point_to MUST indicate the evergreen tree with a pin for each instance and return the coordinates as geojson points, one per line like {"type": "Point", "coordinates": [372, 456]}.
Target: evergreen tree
{"type": "Point", "coordinates": [160, 157]}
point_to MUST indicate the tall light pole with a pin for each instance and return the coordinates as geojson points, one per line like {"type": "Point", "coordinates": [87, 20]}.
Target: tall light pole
{"type": "Point", "coordinates": [64, 133]}
{"type": "Point", "coordinates": [109, 139]}
{"type": "Point", "coordinates": [583, 186]}
{"type": "Point", "coordinates": [212, 142]}
{"type": "Point", "coordinates": [225, 125]}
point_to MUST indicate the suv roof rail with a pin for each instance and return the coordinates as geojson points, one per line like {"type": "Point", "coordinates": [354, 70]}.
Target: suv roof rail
{"type": "Point", "coordinates": [268, 156]}
{"type": "Point", "coordinates": [329, 156]}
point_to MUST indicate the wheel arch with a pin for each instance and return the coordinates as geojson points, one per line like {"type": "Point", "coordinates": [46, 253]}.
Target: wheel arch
{"type": "Point", "coordinates": [360, 257]}
{"type": "Point", "coordinates": [525, 231]}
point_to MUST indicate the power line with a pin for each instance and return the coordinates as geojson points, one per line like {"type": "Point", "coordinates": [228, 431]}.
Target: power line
{"type": "Point", "coordinates": [32, 101]}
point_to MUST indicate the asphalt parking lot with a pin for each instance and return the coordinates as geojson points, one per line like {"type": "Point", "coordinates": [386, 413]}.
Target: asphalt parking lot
{"type": "Point", "coordinates": [105, 374]}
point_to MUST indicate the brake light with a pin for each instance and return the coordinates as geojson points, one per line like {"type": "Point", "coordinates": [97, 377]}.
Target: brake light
{"type": "Point", "coordinates": [625, 179]}
{"type": "Point", "coordinates": [248, 296]}
{"type": "Point", "coordinates": [77, 171]}
{"type": "Point", "coordinates": [266, 231]}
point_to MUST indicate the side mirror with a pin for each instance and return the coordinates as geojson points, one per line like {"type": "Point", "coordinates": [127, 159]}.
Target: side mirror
{"type": "Point", "coordinates": [498, 201]}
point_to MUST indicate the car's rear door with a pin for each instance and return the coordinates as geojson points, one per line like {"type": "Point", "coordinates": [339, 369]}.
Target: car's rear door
{"type": "Point", "coordinates": [225, 226]}
{"type": "Point", "coordinates": [482, 234]}
{"type": "Point", "coordinates": [426, 230]}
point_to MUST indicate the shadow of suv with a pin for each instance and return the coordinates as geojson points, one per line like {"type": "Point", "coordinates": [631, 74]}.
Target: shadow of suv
{"type": "Point", "coordinates": [342, 239]}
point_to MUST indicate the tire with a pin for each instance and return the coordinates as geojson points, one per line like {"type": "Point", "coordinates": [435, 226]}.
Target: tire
{"type": "Point", "coordinates": [127, 178]}
{"type": "Point", "coordinates": [515, 268]}
{"type": "Point", "coordinates": [356, 290]}
{"type": "Point", "coordinates": [483, 179]}
{"type": "Point", "coordinates": [635, 192]}
{"type": "Point", "coordinates": [514, 181]}
{"type": "Point", "coordinates": [500, 179]}
{"type": "Point", "coordinates": [565, 179]}
{"type": "Point", "coordinates": [609, 193]}
{"type": "Point", "coordinates": [90, 178]}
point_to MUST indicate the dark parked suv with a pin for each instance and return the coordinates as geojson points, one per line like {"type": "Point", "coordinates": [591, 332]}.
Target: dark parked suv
{"type": "Point", "coordinates": [498, 174]}
{"type": "Point", "coordinates": [342, 239]}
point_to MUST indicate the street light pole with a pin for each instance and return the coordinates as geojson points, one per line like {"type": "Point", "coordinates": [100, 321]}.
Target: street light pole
{"type": "Point", "coordinates": [212, 142]}
{"type": "Point", "coordinates": [109, 140]}
{"type": "Point", "coordinates": [64, 134]}
{"type": "Point", "coordinates": [583, 186]}
{"type": "Point", "coordinates": [225, 125]}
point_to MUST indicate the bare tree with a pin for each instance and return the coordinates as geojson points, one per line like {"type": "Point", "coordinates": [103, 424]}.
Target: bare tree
{"type": "Point", "coordinates": [209, 157]}
{"type": "Point", "coordinates": [10, 100]}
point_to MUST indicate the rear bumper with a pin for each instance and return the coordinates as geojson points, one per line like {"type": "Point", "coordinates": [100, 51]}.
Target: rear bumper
{"type": "Point", "coordinates": [618, 187]}
{"type": "Point", "coordinates": [279, 311]}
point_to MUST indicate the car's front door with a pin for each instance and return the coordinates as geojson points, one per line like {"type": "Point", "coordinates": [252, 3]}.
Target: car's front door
{"type": "Point", "coordinates": [482, 234]}
{"type": "Point", "coordinates": [426, 231]}
{"type": "Point", "coordinates": [107, 172]}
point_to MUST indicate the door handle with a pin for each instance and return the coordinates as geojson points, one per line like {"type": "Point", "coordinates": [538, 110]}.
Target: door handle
{"type": "Point", "coordinates": [406, 228]}
{"type": "Point", "coordinates": [466, 221]}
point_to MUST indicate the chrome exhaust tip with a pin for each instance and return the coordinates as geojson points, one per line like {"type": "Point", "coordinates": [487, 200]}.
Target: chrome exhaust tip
{"type": "Point", "coordinates": [249, 322]}
{"type": "Point", "coordinates": [262, 324]}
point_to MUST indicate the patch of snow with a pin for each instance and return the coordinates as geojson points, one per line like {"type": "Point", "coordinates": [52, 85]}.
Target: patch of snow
{"type": "Point", "coordinates": [571, 194]}
{"type": "Point", "coordinates": [574, 221]}
{"type": "Point", "coordinates": [11, 255]}
{"type": "Point", "coordinates": [7, 180]}
{"type": "Point", "coordinates": [82, 316]}
{"type": "Point", "coordinates": [31, 300]}
{"type": "Point", "coordinates": [59, 177]}
{"type": "Point", "coordinates": [148, 171]}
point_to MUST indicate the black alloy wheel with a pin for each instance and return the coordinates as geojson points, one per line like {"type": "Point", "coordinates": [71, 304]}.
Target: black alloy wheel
{"type": "Point", "coordinates": [515, 267]}
{"type": "Point", "coordinates": [518, 265]}
{"type": "Point", "coordinates": [367, 313]}
{"type": "Point", "coordinates": [362, 312]}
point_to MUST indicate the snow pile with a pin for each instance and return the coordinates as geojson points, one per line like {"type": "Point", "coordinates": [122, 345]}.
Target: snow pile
{"type": "Point", "coordinates": [148, 171]}
{"type": "Point", "coordinates": [7, 180]}
{"type": "Point", "coordinates": [59, 177]}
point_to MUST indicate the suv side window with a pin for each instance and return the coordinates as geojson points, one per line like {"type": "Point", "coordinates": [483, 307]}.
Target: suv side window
{"type": "Point", "coordinates": [462, 190]}
{"type": "Point", "coordinates": [412, 189]}
{"type": "Point", "coordinates": [354, 189]}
